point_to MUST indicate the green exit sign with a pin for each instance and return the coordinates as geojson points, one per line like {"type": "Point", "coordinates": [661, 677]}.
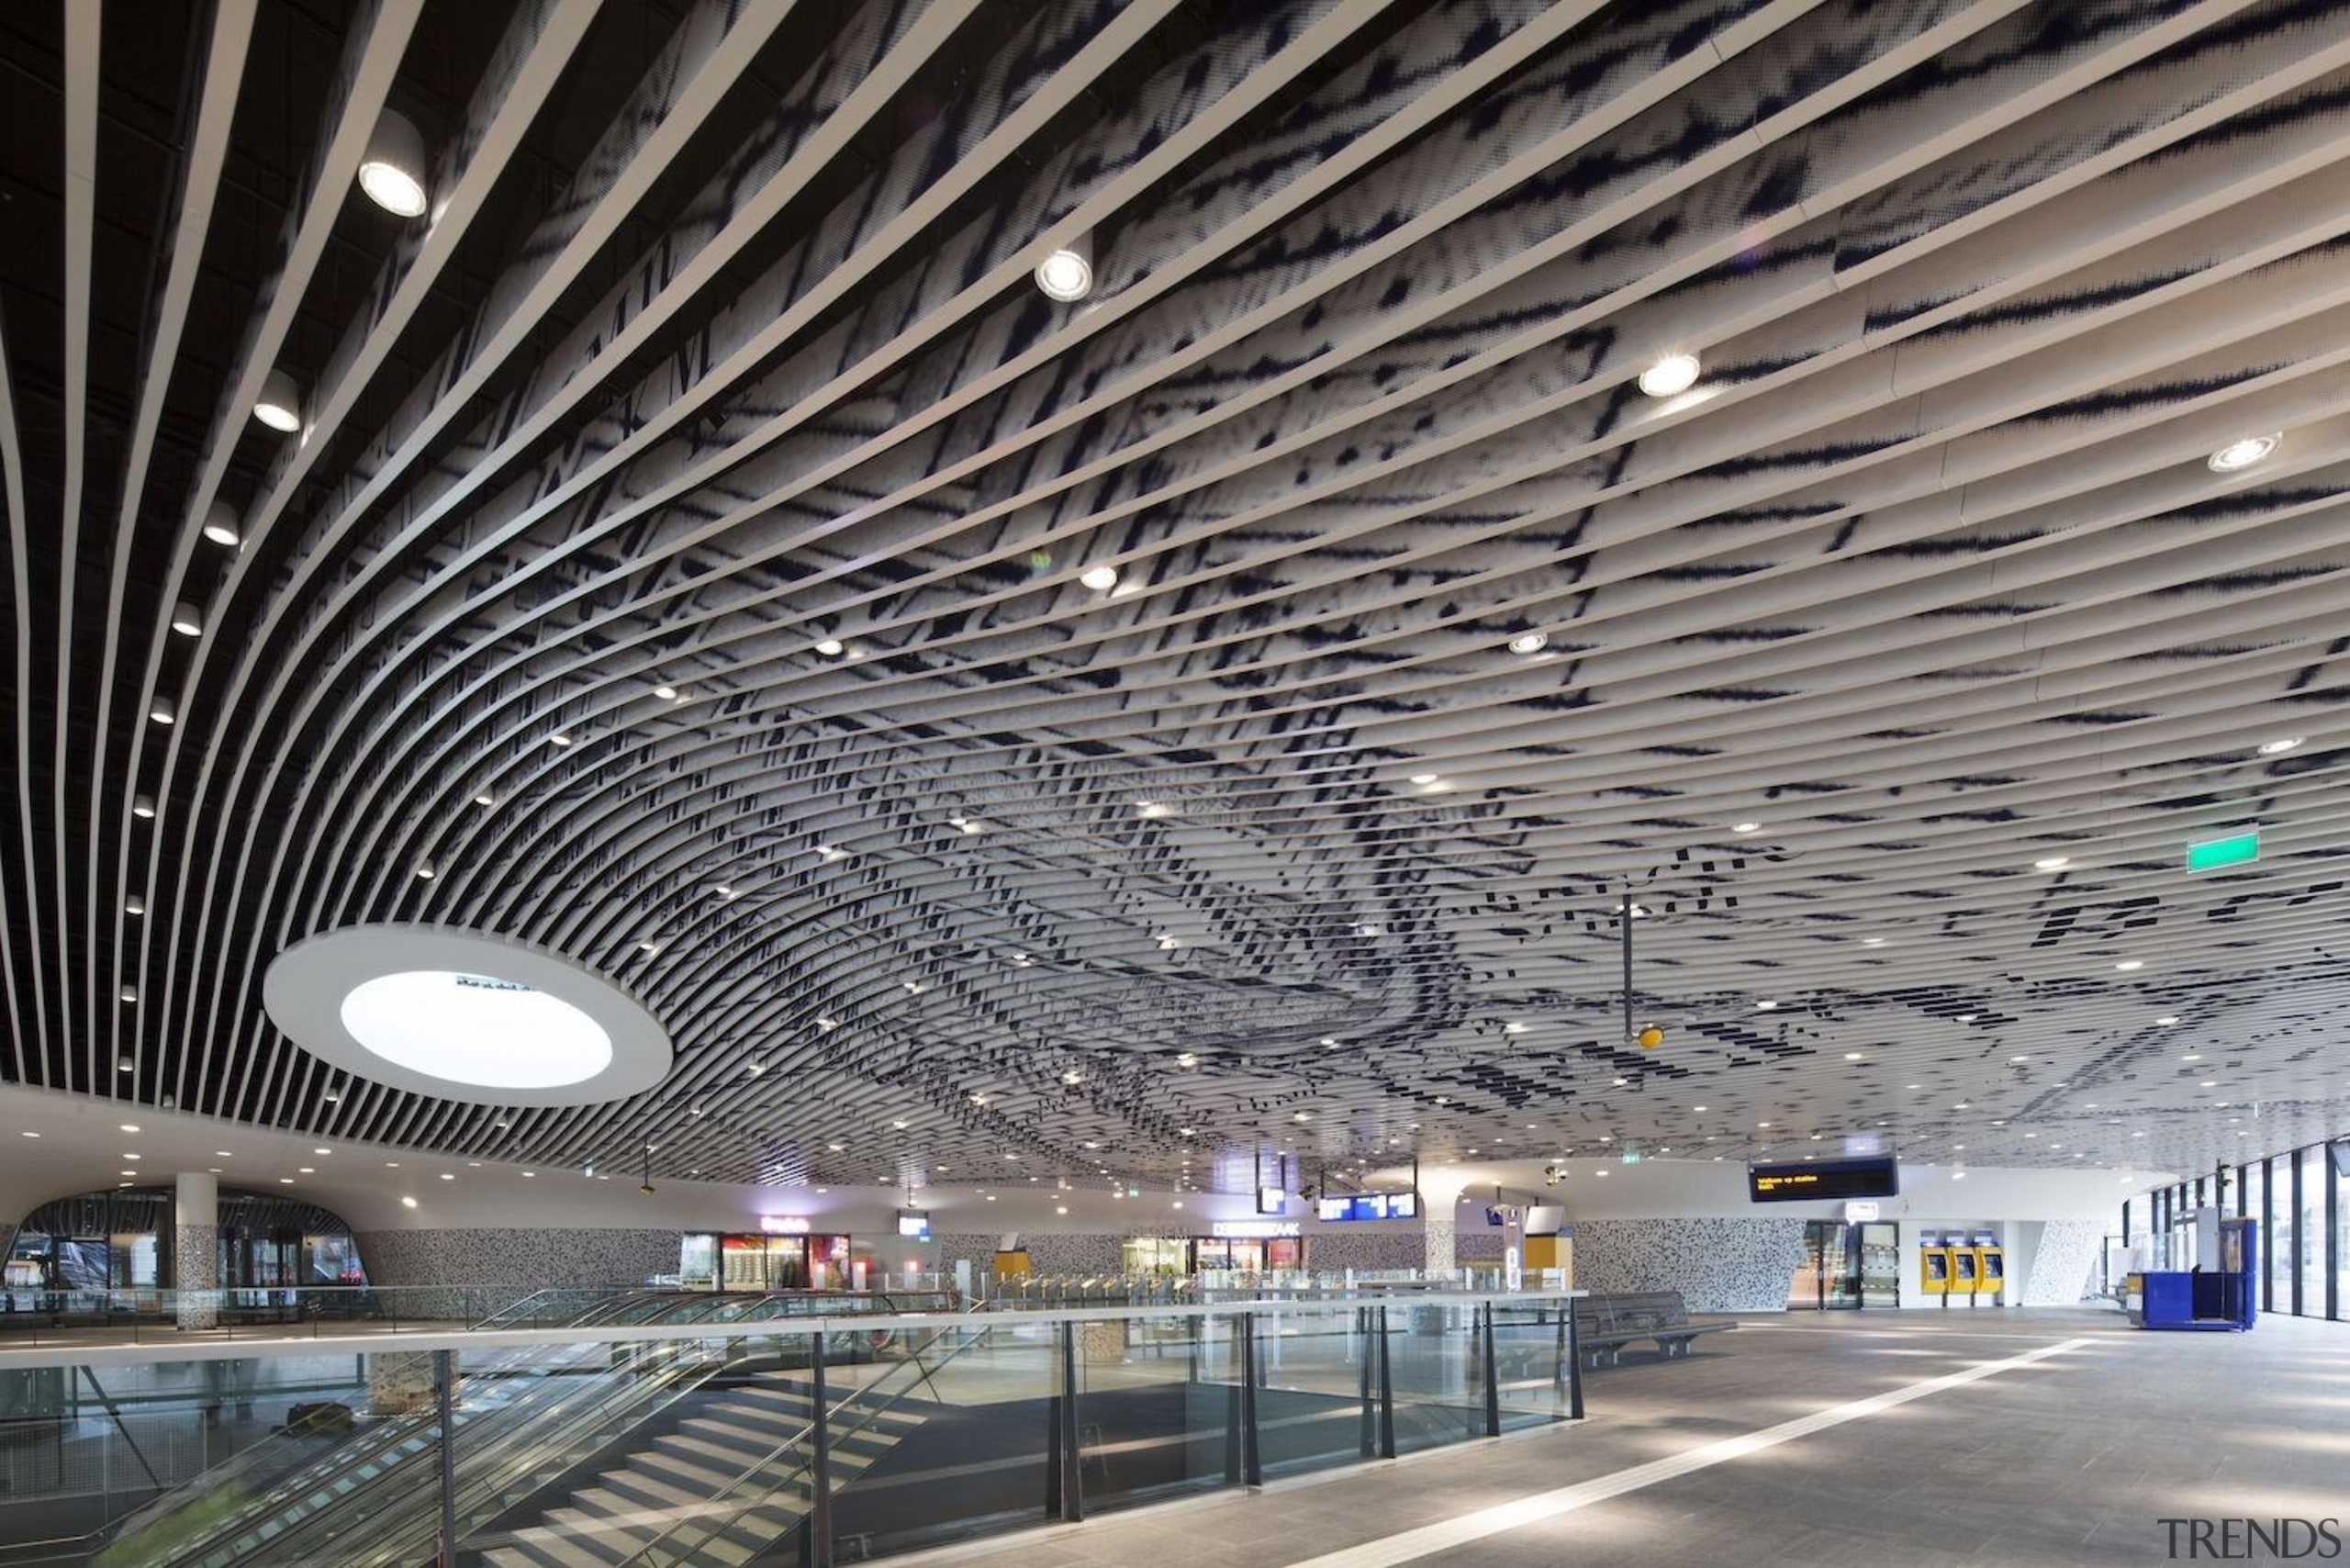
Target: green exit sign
{"type": "Point", "coordinates": [2213, 852]}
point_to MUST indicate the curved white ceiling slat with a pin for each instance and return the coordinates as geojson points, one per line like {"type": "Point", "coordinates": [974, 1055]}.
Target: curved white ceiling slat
{"type": "Point", "coordinates": [682, 560]}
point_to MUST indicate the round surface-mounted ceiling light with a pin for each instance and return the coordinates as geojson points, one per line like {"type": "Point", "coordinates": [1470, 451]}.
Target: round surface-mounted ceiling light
{"type": "Point", "coordinates": [2052, 863]}
{"type": "Point", "coordinates": [1746, 827]}
{"type": "Point", "coordinates": [187, 619]}
{"type": "Point", "coordinates": [2280, 745]}
{"type": "Point", "coordinates": [1670, 376]}
{"type": "Point", "coordinates": [436, 1010]}
{"type": "Point", "coordinates": [2244, 452]}
{"type": "Point", "coordinates": [392, 172]}
{"type": "Point", "coordinates": [164, 711]}
{"type": "Point", "coordinates": [220, 525]}
{"type": "Point", "coordinates": [143, 807]}
{"type": "Point", "coordinates": [1067, 273]}
{"type": "Point", "coordinates": [1101, 579]}
{"type": "Point", "coordinates": [280, 403]}
{"type": "Point", "coordinates": [1529, 643]}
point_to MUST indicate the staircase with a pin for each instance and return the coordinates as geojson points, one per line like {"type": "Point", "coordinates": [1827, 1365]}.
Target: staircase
{"type": "Point", "coordinates": [684, 1475]}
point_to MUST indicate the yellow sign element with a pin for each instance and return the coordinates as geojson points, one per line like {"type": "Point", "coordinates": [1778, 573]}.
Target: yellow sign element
{"type": "Point", "coordinates": [1766, 1183]}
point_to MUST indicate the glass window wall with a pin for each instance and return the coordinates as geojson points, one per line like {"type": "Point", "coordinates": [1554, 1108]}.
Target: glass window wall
{"type": "Point", "coordinates": [2313, 1233]}
{"type": "Point", "coordinates": [2341, 1241]}
{"type": "Point", "coordinates": [2303, 1210]}
{"type": "Point", "coordinates": [2280, 1234]}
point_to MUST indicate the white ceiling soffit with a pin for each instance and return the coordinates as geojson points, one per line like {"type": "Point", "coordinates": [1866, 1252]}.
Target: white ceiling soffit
{"type": "Point", "coordinates": [976, 726]}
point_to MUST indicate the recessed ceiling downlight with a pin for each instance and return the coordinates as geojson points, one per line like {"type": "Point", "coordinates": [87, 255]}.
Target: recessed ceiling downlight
{"type": "Point", "coordinates": [1671, 375]}
{"type": "Point", "coordinates": [449, 1013]}
{"type": "Point", "coordinates": [1067, 273]}
{"type": "Point", "coordinates": [2244, 452]}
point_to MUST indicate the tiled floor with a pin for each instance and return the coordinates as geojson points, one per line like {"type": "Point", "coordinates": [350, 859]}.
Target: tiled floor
{"type": "Point", "coordinates": [2073, 1459]}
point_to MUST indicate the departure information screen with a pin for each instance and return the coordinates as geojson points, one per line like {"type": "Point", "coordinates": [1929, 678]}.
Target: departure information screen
{"type": "Point", "coordinates": [1876, 1176]}
{"type": "Point", "coordinates": [1369, 1205]}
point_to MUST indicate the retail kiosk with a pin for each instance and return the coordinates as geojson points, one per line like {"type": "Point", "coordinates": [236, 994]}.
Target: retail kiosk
{"type": "Point", "coordinates": [2219, 1294]}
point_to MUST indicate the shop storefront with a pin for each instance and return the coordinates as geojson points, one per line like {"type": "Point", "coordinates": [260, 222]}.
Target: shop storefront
{"type": "Point", "coordinates": [786, 1257]}
{"type": "Point", "coordinates": [122, 1241]}
{"type": "Point", "coordinates": [1249, 1246]}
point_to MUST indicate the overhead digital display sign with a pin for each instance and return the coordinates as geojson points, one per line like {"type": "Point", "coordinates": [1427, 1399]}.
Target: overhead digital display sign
{"type": "Point", "coordinates": [1369, 1205]}
{"type": "Point", "coordinates": [1810, 1180]}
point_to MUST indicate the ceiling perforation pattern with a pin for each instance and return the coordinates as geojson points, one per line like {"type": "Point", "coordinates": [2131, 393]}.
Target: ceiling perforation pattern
{"type": "Point", "coordinates": [1224, 711]}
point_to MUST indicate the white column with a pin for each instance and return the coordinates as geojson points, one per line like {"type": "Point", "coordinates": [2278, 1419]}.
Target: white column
{"type": "Point", "coordinates": [196, 1249]}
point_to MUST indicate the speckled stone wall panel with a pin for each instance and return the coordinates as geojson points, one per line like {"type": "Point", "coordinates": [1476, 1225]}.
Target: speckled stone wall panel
{"type": "Point", "coordinates": [476, 1264]}
{"type": "Point", "coordinates": [1366, 1250]}
{"type": "Point", "coordinates": [1437, 1245]}
{"type": "Point", "coordinates": [2062, 1263]}
{"type": "Point", "coordinates": [1477, 1242]}
{"type": "Point", "coordinates": [196, 1255]}
{"type": "Point", "coordinates": [1717, 1265]}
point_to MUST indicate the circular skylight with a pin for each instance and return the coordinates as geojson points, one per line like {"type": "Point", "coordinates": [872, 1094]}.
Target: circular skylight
{"type": "Point", "coordinates": [477, 1029]}
{"type": "Point", "coordinates": [464, 1015]}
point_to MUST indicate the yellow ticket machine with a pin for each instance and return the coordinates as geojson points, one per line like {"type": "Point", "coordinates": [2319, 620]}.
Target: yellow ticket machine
{"type": "Point", "coordinates": [1990, 1264]}
{"type": "Point", "coordinates": [1965, 1276]}
{"type": "Point", "coordinates": [1933, 1264]}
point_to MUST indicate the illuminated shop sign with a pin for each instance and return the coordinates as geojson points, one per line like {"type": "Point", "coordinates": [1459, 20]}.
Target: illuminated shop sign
{"type": "Point", "coordinates": [1243, 1230]}
{"type": "Point", "coordinates": [784, 1225]}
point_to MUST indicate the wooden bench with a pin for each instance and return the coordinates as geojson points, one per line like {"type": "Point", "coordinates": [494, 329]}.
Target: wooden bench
{"type": "Point", "coordinates": [1605, 1324]}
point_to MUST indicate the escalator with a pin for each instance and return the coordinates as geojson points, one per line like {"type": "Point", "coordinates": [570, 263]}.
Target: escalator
{"type": "Point", "coordinates": [522, 1419]}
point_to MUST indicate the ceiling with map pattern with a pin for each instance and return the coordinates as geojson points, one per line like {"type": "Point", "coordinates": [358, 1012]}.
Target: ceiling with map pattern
{"type": "Point", "coordinates": [1225, 713]}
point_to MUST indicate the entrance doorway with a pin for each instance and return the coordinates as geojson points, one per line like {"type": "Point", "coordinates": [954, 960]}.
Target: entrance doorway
{"type": "Point", "coordinates": [1827, 1274]}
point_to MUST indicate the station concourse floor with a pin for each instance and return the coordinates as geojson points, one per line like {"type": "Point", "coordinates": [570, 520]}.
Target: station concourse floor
{"type": "Point", "coordinates": [2074, 1457]}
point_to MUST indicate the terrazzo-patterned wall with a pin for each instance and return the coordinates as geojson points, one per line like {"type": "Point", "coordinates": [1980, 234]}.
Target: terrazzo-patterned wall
{"type": "Point", "coordinates": [2062, 1263]}
{"type": "Point", "coordinates": [535, 1259]}
{"type": "Point", "coordinates": [1477, 1242]}
{"type": "Point", "coordinates": [196, 1254]}
{"type": "Point", "coordinates": [1336, 1250]}
{"type": "Point", "coordinates": [1717, 1265]}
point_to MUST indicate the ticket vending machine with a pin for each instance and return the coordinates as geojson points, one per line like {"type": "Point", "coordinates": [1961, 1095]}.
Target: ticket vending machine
{"type": "Point", "coordinates": [1990, 1264]}
{"type": "Point", "coordinates": [1964, 1274]}
{"type": "Point", "coordinates": [1934, 1265]}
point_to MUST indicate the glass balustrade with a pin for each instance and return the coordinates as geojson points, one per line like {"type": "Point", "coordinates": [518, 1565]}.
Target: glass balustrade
{"type": "Point", "coordinates": [664, 1430]}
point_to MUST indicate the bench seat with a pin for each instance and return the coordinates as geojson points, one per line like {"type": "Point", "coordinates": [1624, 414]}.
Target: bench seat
{"type": "Point", "coordinates": [1605, 1324]}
